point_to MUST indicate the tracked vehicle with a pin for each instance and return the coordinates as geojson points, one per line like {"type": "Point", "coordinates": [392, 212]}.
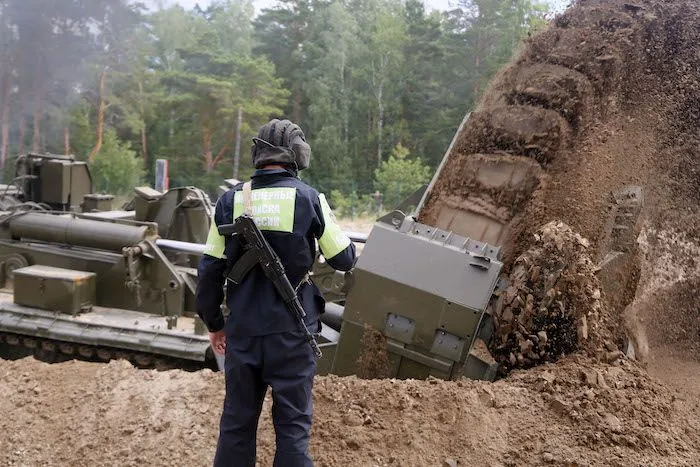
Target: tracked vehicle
{"type": "Point", "coordinates": [83, 280]}
{"type": "Point", "coordinates": [96, 289]}
{"type": "Point", "coordinates": [120, 283]}
{"type": "Point", "coordinates": [429, 278]}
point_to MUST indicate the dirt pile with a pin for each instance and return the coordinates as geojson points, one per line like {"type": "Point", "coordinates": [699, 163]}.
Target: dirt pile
{"type": "Point", "coordinates": [590, 99]}
{"type": "Point", "coordinates": [552, 306]}
{"type": "Point", "coordinates": [665, 312]}
{"type": "Point", "coordinates": [606, 97]}
{"type": "Point", "coordinates": [577, 412]}
{"type": "Point", "coordinates": [373, 362]}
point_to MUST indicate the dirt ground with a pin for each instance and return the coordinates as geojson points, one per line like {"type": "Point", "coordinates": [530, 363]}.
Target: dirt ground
{"type": "Point", "coordinates": [359, 224]}
{"type": "Point", "coordinates": [577, 412]}
{"type": "Point", "coordinates": [615, 85]}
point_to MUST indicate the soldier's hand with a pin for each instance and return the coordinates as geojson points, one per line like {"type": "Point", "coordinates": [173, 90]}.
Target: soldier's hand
{"type": "Point", "coordinates": [218, 342]}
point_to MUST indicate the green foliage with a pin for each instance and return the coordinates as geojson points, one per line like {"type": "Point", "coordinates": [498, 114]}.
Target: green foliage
{"type": "Point", "coordinates": [368, 81]}
{"type": "Point", "coordinates": [116, 170]}
{"type": "Point", "coordinates": [400, 176]}
{"type": "Point", "coordinates": [82, 133]}
{"type": "Point", "coordinates": [352, 205]}
{"type": "Point", "coordinates": [329, 164]}
{"type": "Point", "coordinates": [365, 76]}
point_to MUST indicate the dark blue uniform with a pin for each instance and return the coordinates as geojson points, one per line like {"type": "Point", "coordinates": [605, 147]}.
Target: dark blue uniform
{"type": "Point", "coordinates": [264, 346]}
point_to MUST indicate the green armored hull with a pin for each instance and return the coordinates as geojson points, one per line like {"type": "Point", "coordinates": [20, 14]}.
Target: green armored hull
{"type": "Point", "coordinates": [103, 334]}
{"type": "Point", "coordinates": [102, 289]}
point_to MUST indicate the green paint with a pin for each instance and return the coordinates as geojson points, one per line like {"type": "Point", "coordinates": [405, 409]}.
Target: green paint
{"type": "Point", "coordinates": [333, 240]}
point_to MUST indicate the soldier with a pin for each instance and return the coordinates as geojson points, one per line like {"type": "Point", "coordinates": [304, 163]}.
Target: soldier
{"type": "Point", "coordinates": [378, 198]}
{"type": "Point", "coordinates": [262, 342]}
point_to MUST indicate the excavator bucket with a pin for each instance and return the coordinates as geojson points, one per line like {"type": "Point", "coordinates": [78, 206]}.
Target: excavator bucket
{"type": "Point", "coordinates": [427, 291]}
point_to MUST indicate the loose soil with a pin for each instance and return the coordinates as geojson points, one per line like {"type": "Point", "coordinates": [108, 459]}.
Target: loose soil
{"type": "Point", "coordinates": [552, 306]}
{"type": "Point", "coordinates": [606, 97]}
{"type": "Point", "coordinates": [577, 412]}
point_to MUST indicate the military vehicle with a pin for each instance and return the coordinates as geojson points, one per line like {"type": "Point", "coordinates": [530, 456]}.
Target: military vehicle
{"type": "Point", "coordinates": [81, 279]}
{"type": "Point", "coordinates": [106, 284]}
{"type": "Point", "coordinates": [52, 181]}
{"type": "Point", "coordinates": [57, 182]}
{"type": "Point", "coordinates": [95, 289]}
{"type": "Point", "coordinates": [103, 283]}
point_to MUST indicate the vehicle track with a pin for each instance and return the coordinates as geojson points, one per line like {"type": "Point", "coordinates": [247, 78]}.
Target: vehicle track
{"type": "Point", "coordinates": [604, 99]}
{"type": "Point", "coordinates": [14, 346]}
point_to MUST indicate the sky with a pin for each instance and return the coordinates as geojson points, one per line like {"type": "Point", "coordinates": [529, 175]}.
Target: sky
{"type": "Point", "coordinates": [558, 5]}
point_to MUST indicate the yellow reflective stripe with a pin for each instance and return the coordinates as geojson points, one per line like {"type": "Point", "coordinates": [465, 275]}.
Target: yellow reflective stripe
{"type": "Point", "coordinates": [215, 242]}
{"type": "Point", "coordinates": [333, 240]}
{"type": "Point", "coordinates": [273, 208]}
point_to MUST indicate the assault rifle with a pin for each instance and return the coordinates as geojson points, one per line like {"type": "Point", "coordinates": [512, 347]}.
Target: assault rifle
{"type": "Point", "coordinates": [259, 251]}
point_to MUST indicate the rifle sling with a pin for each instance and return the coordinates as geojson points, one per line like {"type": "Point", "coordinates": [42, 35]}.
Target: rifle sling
{"type": "Point", "coordinates": [247, 198]}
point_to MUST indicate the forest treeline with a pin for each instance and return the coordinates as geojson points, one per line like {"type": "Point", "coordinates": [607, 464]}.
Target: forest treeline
{"type": "Point", "coordinates": [378, 86]}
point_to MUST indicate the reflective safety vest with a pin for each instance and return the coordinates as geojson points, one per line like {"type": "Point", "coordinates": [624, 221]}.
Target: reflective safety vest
{"type": "Point", "coordinates": [294, 218]}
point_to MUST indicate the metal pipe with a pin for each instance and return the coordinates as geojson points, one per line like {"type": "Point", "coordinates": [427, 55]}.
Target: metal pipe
{"type": "Point", "coordinates": [357, 237]}
{"type": "Point", "coordinates": [184, 247]}
{"type": "Point", "coordinates": [75, 231]}
{"type": "Point", "coordinates": [333, 316]}
{"type": "Point", "coordinates": [198, 248]}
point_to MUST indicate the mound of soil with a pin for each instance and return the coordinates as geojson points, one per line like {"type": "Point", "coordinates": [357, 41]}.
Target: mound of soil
{"type": "Point", "coordinates": [552, 306]}
{"type": "Point", "coordinates": [518, 130]}
{"type": "Point", "coordinates": [373, 362]}
{"type": "Point", "coordinates": [590, 99]}
{"type": "Point", "coordinates": [577, 412]}
{"type": "Point", "coordinates": [665, 313]}
{"type": "Point", "coordinates": [604, 98]}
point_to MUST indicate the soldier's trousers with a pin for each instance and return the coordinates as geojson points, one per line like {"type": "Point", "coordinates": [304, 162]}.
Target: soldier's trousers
{"type": "Point", "coordinates": [284, 362]}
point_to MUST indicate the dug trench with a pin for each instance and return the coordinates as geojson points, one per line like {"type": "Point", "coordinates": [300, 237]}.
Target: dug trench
{"type": "Point", "coordinates": [605, 98]}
